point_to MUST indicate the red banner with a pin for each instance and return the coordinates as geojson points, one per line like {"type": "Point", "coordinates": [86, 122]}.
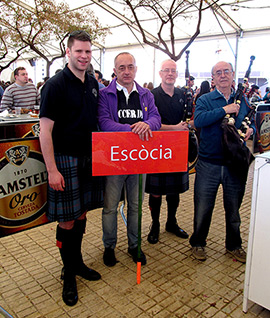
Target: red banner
{"type": "Point", "coordinates": [118, 153]}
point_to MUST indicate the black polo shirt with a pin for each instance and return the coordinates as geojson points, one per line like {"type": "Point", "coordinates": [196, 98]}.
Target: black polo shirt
{"type": "Point", "coordinates": [72, 105]}
{"type": "Point", "coordinates": [171, 109]}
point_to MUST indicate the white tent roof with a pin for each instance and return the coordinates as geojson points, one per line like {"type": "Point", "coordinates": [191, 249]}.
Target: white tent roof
{"type": "Point", "coordinates": [226, 16]}
{"type": "Point", "coordinates": [226, 19]}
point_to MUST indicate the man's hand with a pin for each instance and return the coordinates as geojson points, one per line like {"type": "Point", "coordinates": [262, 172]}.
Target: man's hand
{"type": "Point", "coordinates": [182, 126]}
{"type": "Point", "coordinates": [248, 133]}
{"type": "Point", "coordinates": [142, 129]}
{"type": "Point", "coordinates": [56, 181]}
{"type": "Point", "coordinates": [232, 109]}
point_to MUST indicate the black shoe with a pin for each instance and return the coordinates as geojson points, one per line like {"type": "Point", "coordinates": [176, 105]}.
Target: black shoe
{"type": "Point", "coordinates": [85, 272]}
{"type": "Point", "coordinates": [70, 295]}
{"type": "Point", "coordinates": [134, 253]}
{"type": "Point", "coordinates": [153, 235]}
{"type": "Point", "coordinates": [109, 257]}
{"type": "Point", "coordinates": [175, 229]}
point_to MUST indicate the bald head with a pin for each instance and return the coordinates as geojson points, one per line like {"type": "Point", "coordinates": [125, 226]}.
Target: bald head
{"type": "Point", "coordinates": [168, 74]}
{"type": "Point", "coordinates": [168, 62]}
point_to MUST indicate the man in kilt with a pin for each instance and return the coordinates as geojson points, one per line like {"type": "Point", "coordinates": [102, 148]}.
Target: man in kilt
{"type": "Point", "coordinates": [68, 116]}
{"type": "Point", "coordinates": [170, 103]}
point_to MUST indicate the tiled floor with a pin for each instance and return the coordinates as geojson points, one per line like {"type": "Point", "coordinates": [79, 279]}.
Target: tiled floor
{"type": "Point", "coordinates": [173, 283]}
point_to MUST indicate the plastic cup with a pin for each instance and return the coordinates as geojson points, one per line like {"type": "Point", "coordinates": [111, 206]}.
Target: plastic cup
{"type": "Point", "coordinates": [36, 109]}
{"type": "Point", "coordinates": [17, 111]}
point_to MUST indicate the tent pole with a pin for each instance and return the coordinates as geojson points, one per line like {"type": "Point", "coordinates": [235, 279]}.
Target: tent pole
{"type": "Point", "coordinates": [236, 57]}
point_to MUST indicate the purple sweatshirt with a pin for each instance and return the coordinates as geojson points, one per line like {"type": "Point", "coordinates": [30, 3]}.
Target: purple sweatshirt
{"type": "Point", "coordinates": [108, 107]}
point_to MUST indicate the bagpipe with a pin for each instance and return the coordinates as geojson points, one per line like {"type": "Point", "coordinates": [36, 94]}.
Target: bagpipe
{"type": "Point", "coordinates": [188, 113]}
{"type": "Point", "coordinates": [237, 156]}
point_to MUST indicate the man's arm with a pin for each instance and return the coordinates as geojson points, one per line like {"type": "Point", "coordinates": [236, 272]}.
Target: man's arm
{"type": "Point", "coordinates": [206, 114]}
{"type": "Point", "coordinates": [55, 178]}
{"type": "Point", "coordinates": [7, 101]}
{"type": "Point", "coordinates": [179, 127]}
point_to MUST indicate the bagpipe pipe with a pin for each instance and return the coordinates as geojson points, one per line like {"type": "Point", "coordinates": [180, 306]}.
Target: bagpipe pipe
{"type": "Point", "coordinates": [188, 113]}
{"type": "Point", "coordinates": [237, 156]}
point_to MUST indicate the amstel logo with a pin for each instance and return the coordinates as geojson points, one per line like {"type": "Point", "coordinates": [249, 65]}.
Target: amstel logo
{"type": "Point", "coordinates": [23, 188]}
{"type": "Point", "coordinates": [17, 155]}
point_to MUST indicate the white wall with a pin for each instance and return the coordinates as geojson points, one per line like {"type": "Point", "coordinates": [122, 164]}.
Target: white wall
{"type": "Point", "coordinates": [203, 55]}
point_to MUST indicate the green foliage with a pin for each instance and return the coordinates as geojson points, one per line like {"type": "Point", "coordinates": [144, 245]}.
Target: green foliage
{"type": "Point", "coordinates": [24, 27]}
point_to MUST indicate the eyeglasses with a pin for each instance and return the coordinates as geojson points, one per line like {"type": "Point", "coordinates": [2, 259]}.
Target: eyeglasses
{"type": "Point", "coordinates": [225, 72]}
{"type": "Point", "coordinates": [168, 70]}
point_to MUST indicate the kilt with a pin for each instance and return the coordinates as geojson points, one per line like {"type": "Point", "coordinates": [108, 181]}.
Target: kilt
{"type": "Point", "coordinates": [82, 192]}
{"type": "Point", "coordinates": [167, 183]}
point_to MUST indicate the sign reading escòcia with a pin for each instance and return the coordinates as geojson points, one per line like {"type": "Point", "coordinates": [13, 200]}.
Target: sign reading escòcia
{"type": "Point", "coordinates": [23, 188]}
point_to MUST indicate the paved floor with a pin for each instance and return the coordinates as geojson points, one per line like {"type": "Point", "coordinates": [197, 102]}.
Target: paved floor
{"type": "Point", "coordinates": [173, 283]}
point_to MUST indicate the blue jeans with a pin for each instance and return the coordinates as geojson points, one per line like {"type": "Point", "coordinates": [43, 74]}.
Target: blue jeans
{"type": "Point", "coordinates": [207, 181]}
{"type": "Point", "coordinates": [112, 195]}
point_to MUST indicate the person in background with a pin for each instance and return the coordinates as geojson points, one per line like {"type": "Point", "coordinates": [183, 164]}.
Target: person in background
{"type": "Point", "coordinates": [124, 106]}
{"type": "Point", "coordinates": [45, 79]}
{"type": "Point", "coordinates": [21, 93]}
{"type": "Point", "coordinates": [254, 95]}
{"type": "Point", "coordinates": [211, 170]}
{"type": "Point", "coordinates": [99, 76]}
{"type": "Point", "coordinates": [68, 116]}
{"type": "Point", "coordinates": [170, 103]}
{"type": "Point", "coordinates": [212, 88]}
{"type": "Point", "coordinates": [105, 82]}
{"type": "Point", "coordinates": [204, 88]}
{"type": "Point", "coordinates": [150, 86]}
{"type": "Point", "coordinates": [266, 96]}
{"type": "Point", "coordinates": [1, 92]}
{"type": "Point", "coordinates": [191, 84]}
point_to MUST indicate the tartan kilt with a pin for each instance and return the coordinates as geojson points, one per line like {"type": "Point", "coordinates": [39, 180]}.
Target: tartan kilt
{"type": "Point", "coordinates": [167, 183]}
{"type": "Point", "coordinates": [82, 192]}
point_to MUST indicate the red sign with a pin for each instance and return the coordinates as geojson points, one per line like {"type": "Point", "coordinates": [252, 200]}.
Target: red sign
{"type": "Point", "coordinates": [118, 153]}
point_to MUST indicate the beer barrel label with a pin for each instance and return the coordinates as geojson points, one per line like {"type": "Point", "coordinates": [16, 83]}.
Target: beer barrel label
{"type": "Point", "coordinates": [265, 131]}
{"type": "Point", "coordinates": [23, 188]}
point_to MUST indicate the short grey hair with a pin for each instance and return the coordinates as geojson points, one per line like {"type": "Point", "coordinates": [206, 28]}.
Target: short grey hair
{"type": "Point", "coordinates": [124, 53]}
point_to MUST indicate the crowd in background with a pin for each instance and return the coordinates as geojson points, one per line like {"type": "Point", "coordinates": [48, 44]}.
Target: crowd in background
{"type": "Point", "coordinates": [254, 94]}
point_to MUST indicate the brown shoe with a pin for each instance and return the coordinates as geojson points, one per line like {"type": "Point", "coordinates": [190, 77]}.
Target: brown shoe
{"type": "Point", "coordinates": [239, 254]}
{"type": "Point", "coordinates": [199, 253]}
